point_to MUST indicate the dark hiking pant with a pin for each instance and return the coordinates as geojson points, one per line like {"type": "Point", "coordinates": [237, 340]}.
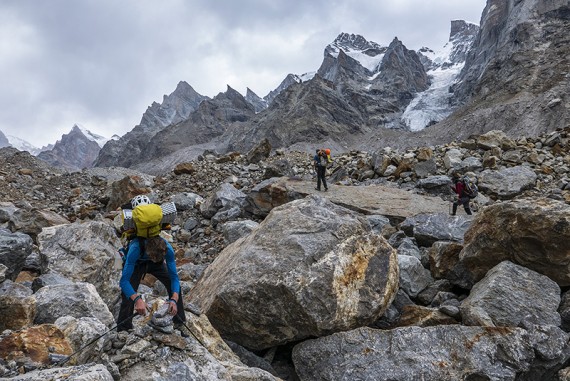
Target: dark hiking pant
{"type": "Point", "coordinates": [159, 271]}
{"type": "Point", "coordinates": [462, 201]}
{"type": "Point", "coordinates": [321, 171]}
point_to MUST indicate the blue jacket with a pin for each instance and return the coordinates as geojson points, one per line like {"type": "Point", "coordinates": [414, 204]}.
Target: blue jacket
{"type": "Point", "coordinates": [134, 255]}
{"type": "Point", "coordinates": [317, 160]}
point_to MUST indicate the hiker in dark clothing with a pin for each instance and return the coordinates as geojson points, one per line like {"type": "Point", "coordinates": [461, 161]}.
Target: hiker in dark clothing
{"type": "Point", "coordinates": [462, 197]}
{"type": "Point", "coordinates": [320, 163]}
{"type": "Point", "coordinates": [149, 256]}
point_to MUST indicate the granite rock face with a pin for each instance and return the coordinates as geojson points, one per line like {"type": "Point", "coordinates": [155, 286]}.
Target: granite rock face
{"type": "Point", "coordinates": [530, 233]}
{"type": "Point", "coordinates": [508, 295]}
{"type": "Point", "coordinates": [441, 353]}
{"type": "Point", "coordinates": [74, 151]}
{"type": "Point", "coordinates": [309, 269]}
{"type": "Point", "coordinates": [174, 109]}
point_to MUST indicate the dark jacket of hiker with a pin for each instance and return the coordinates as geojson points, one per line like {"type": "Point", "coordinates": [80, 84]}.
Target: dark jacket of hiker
{"type": "Point", "coordinates": [462, 198]}
{"type": "Point", "coordinates": [320, 163]}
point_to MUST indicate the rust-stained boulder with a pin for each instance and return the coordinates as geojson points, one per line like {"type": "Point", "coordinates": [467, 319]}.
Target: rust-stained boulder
{"type": "Point", "coordinates": [34, 344]}
{"type": "Point", "coordinates": [311, 268]}
{"type": "Point", "coordinates": [443, 256]}
{"type": "Point", "coordinates": [420, 316]}
{"type": "Point", "coordinates": [17, 306]}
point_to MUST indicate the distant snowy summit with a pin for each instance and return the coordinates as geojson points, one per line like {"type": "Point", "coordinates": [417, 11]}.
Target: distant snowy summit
{"type": "Point", "coordinates": [22, 145]}
{"type": "Point", "coordinates": [100, 140]}
{"type": "Point", "coordinates": [369, 54]}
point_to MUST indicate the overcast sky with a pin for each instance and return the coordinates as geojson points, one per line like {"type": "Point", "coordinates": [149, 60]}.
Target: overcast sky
{"type": "Point", "coordinates": [101, 63]}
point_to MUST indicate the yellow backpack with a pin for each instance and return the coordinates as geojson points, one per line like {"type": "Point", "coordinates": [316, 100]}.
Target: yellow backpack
{"type": "Point", "coordinates": [147, 219]}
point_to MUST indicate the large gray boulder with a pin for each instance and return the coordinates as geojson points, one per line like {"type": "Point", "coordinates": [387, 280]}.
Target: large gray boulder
{"type": "Point", "coordinates": [413, 276]}
{"type": "Point", "coordinates": [14, 249]}
{"type": "Point", "coordinates": [234, 230]}
{"type": "Point", "coordinates": [507, 183]}
{"type": "Point", "coordinates": [79, 332]}
{"type": "Point", "coordinates": [311, 268]}
{"type": "Point", "coordinates": [533, 233]}
{"type": "Point", "coordinates": [89, 372]}
{"type": "Point", "coordinates": [388, 201]}
{"type": "Point", "coordinates": [77, 300]}
{"type": "Point", "coordinates": [510, 294]}
{"type": "Point", "coordinates": [440, 353]}
{"type": "Point", "coordinates": [85, 252]}
{"type": "Point", "coordinates": [431, 227]}
{"type": "Point", "coordinates": [223, 199]}
{"type": "Point", "coordinates": [32, 221]}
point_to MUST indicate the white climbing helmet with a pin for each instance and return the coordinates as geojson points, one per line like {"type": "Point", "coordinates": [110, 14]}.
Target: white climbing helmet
{"type": "Point", "coordinates": [141, 199]}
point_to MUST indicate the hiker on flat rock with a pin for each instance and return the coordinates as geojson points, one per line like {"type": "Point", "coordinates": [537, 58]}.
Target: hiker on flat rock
{"type": "Point", "coordinates": [149, 255]}
{"type": "Point", "coordinates": [320, 163]}
{"type": "Point", "coordinates": [462, 197]}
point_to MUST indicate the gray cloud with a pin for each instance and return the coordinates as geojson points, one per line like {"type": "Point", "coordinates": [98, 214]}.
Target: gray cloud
{"type": "Point", "coordinates": [101, 63]}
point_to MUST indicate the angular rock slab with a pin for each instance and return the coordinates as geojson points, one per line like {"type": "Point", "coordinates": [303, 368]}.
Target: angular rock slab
{"type": "Point", "coordinates": [224, 198]}
{"type": "Point", "coordinates": [85, 252]}
{"type": "Point", "coordinates": [508, 182]}
{"type": "Point", "coordinates": [441, 353]}
{"type": "Point", "coordinates": [534, 233]}
{"type": "Point", "coordinates": [91, 372]}
{"type": "Point", "coordinates": [429, 228]}
{"type": "Point", "coordinates": [77, 300]}
{"type": "Point", "coordinates": [509, 294]}
{"type": "Point", "coordinates": [370, 199]}
{"type": "Point", "coordinates": [14, 249]}
{"type": "Point", "coordinates": [311, 268]}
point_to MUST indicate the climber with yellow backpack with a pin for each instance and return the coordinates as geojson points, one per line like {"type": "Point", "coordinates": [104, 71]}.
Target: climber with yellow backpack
{"type": "Point", "coordinates": [148, 253]}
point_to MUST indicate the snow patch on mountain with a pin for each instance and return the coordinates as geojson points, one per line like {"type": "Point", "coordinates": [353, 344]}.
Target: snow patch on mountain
{"type": "Point", "coordinates": [444, 66]}
{"type": "Point", "coordinates": [307, 76]}
{"type": "Point", "coordinates": [432, 105]}
{"type": "Point", "coordinates": [369, 54]}
{"type": "Point", "coordinates": [23, 145]}
{"type": "Point", "coordinates": [100, 140]}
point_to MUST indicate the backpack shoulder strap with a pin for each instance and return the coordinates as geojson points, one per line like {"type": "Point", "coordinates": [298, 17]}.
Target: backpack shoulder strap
{"type": "Point", "coordinates": [142, 246]}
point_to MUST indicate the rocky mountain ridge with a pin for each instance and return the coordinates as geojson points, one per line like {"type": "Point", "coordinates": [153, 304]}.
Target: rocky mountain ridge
{"type": "Point", "coordinates": [516, 75]}
{"type": "Point", "coordinates": [454, 99]}
{"type": "Point", "coordinates": [366, 83]}
{"type": "Point", "coordinates": [75, 150]}
{"type": "Point", "coordinates": [404, 275]}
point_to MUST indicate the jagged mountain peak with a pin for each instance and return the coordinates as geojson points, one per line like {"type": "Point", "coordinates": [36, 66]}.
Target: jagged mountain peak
{"type": "Point", "coordinates": [349, 42]}
{"type": "Point", "coordinates": [258, 103]}
{"type": "Point", "coordinates": [100, 140]}
{"type": "Point", "coordinates": [368, 54]}
{"type": "Point", "coordinates": [288, 81]}
{"type": "Point", "coordinates": [77, 149]}
{"type": "Point", "coordinates": [231, 92]}
{"type": "Point", "coordinates": [462, 28]}
{"type": "Point", "coordinates": [4, 142]}
{"type": "Point", "coordinates": [461, 37]}
{"type": "Point", "coordinates": [235, 98]}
